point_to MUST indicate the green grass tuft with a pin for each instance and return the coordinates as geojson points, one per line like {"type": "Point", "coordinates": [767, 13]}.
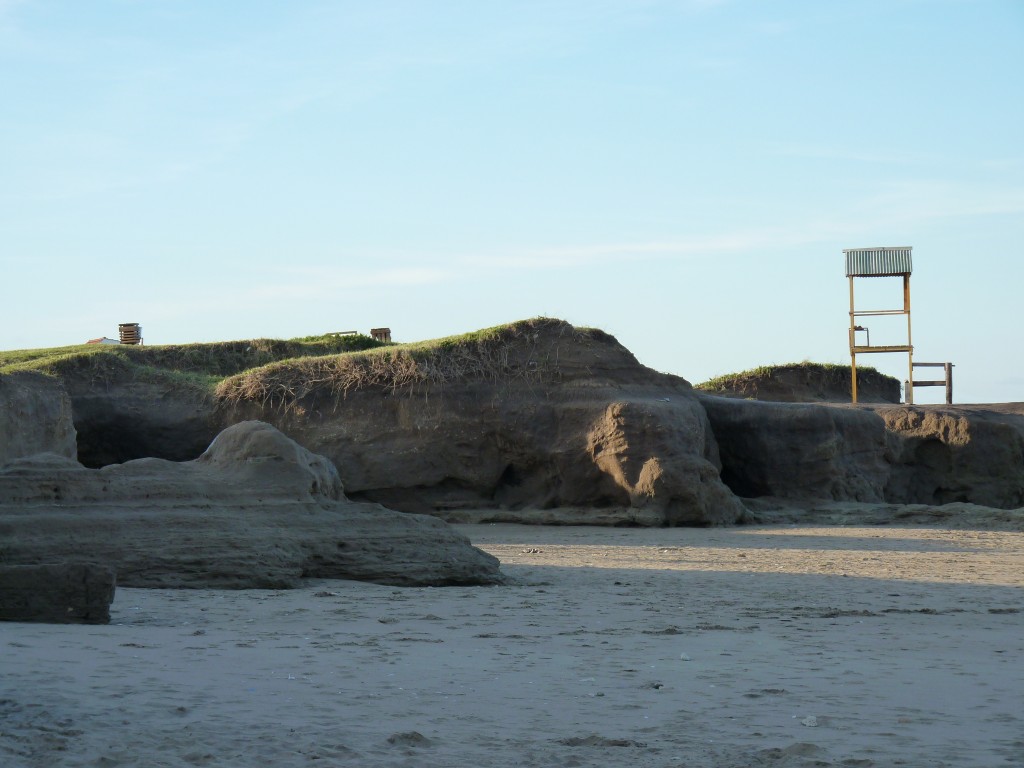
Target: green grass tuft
{"type": "Point", "coordinates": [196, 366]}
{"type": "Point", "coordinates": [730, 381]}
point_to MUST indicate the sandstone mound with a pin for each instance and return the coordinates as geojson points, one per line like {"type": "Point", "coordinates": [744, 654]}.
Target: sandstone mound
{"type": "Point", "coordinates": [255, 510]}
{"type": "Point", "coordinates": [537, 415]}
{"type": "Point", "coordinates": [255, 455]}
{"type": "Point", "coordinates": [929, 455]}
{"type": "Point", "coordinates": [805, 383]}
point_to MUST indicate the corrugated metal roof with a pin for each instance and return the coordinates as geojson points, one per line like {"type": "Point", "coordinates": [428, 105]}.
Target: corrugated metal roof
{"type": "Point", "coordinates": [877, 262]}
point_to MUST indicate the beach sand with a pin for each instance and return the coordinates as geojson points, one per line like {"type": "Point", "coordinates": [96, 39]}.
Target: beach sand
{"type": "Point", "coordinates": [777, 646]}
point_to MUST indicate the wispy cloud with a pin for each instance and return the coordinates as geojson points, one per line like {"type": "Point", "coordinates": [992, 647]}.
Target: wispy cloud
{"type": "Point", "coordinates": [325, 281]}
{"type": "Point", "coordinates": [382, 277]}
{"type": "Point", "coordinates": [776, 28]}
{"type": "Point", "coordinates": [855, 154]}
{"type": "Point", "coordinates": [701, 5]}
{"type": "Point", "coordinates": [11, 37]}
{"type": "Point", "coordinates": [719, 63]}
{"type": "Point", "coordinates": [584, 254]}
{"type": "Point", "coordinates": [290, 289]}
{"type": "Point", "coordinates": [6, 6]}
{"type": "Point", "coordinates": [925, 199]}
{"type": "Point", "coordinates": [893, 206]}
{"type": "Point", "coordinates": [1004, 163]}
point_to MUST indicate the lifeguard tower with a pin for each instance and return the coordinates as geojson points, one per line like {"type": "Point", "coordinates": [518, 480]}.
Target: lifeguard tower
{"type": "Point", "coordinates": [879, 262]}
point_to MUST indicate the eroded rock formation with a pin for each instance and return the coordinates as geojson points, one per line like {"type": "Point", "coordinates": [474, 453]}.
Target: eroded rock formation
{"type": "Point", "coordinates": [897, 454]}
{"type": "Point", "coordinates": [255, 510]}
{"type": "Point", "coordinates": [35, 417]}
{"type": "Point", "coordinates": [538, 422]}
{"type": "Point", "coordinates": [127, 419]}
{"type": "Point", "coordinates": [944, 454]}
{"type": "Point", "coordinates": [62, 593]}
{"type": "Point", "coordinates": [546, 417]}
{"type": "Point", "coordinates": [800, 451]}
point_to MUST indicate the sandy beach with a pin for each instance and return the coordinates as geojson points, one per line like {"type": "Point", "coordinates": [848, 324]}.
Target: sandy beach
{"type": "Point", "coordinates": [682, 647]}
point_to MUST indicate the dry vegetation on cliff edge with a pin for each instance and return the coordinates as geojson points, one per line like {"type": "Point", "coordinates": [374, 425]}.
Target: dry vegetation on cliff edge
{"type": "Point", "coordinates": [730, 382]}
{"type": "Point", "coordinates": [198, 366]}
{"type": "Point", "coordinates": [516, 351]}
{"type": "Point", "coordinates": [279, 372]}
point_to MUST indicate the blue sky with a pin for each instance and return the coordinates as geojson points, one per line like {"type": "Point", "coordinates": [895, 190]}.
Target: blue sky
{"type": "Point", "coordinates": [683, 174]}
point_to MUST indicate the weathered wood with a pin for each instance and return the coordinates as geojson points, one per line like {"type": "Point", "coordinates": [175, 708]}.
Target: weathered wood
{"type": "Point", "coordinates": [947, 382]}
